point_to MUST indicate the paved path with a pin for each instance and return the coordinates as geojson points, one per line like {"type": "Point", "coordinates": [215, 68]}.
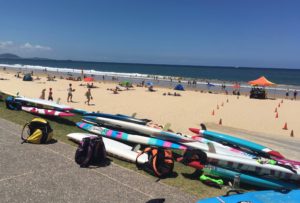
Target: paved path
{"type": "Point", "coordinates": [48, 173]}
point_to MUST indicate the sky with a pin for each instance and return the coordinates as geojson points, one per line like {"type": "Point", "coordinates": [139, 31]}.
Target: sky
{"type": "Point", "coordinates": [252, 33]}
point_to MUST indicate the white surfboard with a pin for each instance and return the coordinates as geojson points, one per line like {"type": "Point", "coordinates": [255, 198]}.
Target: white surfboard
{"type": "Point", "coordinates": [114, 148]}
{"type": "Point", "coordinates": [154, 132]}
{"type": "Point", "coordinates": [44, 102]}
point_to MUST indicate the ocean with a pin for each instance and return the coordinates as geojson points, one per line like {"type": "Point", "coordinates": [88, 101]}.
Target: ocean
{"type": "Point", "coordinates": [283, 77]}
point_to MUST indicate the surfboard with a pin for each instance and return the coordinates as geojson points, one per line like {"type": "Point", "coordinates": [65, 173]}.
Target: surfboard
{"type": "Point", "coordinates": [261, 182]}
{"type": "Point", "coordinates": [252, 165]}
{"type": "Point", "coordinates": [283, 161]}
{"type": "Point", "coordinates": [128, 137]}
{"type": "Point", "coordinates": [120, 117]}
{"type": "Point", "coordinates": [153, 132]}
{"type": "Point", "coordinates": [113, 148]}
{"type": "Point", "coordinates": [44, 103]}
{"type": "Point", "coordinates": [46, 112]}
{"type": "Point", "coordinates": [224, 138]}
{"type": "Point", "coordinates": [266, 196]}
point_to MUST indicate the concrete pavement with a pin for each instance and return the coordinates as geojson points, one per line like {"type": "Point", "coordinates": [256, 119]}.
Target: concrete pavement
{"type": "Point", "coordinates": [48, 173]}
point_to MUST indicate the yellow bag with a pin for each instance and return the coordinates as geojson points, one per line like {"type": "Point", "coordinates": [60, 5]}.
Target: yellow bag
{"type": "Point", "coordinates": [38, 130]}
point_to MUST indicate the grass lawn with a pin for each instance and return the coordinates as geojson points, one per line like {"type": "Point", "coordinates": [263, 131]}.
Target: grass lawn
{"type": "Point", "coordinates": [62, 127]}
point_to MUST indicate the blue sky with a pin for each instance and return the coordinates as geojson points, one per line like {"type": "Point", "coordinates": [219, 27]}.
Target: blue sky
{"type": "Point", "coordinates": [258, 33]}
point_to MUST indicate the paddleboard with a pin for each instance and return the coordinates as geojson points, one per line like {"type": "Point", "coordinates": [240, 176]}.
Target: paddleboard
{"type": "Point", "coordinates": [252, 165]}
{"type": "Point", "coordinates": [44, 103]}
{"type": "Point", "coordinates": [113, 148]}
{"type": "Point", "coordinates": [120, 117]}
{"type": "Point", "coordinates": [261, 182]}
{"type": "Point", "coordinates": [46, 112]}
{"type": "Point", "coordinates": [128, 137]}
{"type": "Point", "coordinates": [283, 161]}
{"type": "Point", "coordinates": [267, 196]}
{"type": "Point", "coordinates": [153, 132]}
{"type": "Point", "coordinates": [223, 138]}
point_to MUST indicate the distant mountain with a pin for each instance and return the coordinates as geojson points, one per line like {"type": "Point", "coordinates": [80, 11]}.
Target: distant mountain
{"type": "Point", "coordinates": [14, 56]}
{"type": "Point", "coordinates": [9, 56]}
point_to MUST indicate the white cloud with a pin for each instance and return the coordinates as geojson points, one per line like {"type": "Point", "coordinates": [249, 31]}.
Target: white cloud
{"type": "Point", "coordinates": [29, 46]}
{"type": "Point", "coordinates": [6, 44]}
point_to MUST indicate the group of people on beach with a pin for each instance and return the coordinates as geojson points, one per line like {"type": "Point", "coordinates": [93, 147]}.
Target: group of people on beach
{"type": "Point", "coordinates": [50, 94]}
{"type": "Point", "coordinates": [87, 94]}
{"type": "Point", "coordinates": [295, 93]}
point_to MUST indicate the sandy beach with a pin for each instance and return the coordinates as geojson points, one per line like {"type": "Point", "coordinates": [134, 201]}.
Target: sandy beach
{"type": "Point", "coordinates": [188, 110]}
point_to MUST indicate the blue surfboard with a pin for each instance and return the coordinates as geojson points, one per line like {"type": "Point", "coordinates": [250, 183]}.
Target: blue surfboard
{"type": "Point", "coordinates": [267, 196]}
{"type": "Point", "coordinates": [120, 117]}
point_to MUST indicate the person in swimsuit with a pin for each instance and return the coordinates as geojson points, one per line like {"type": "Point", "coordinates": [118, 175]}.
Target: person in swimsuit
{"type": "Point", "coordinates": [50, 96]}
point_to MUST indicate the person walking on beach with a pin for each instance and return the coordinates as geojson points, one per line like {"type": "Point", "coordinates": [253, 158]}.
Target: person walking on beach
{"type": "Point", "coordinates": [43, 94]}
{"type": "Point", "coordinates": [70, 93]}
{"type": "Point", "coordinates": [50, 95]}
{"type": "Point", "coordinates": [89, 97]}
{"type": "Point", "coordinates": [295, 94]}
{"type": "Point", "coordinates": [287, 94]}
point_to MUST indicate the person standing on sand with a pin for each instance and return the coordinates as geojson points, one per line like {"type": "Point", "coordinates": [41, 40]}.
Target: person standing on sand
{"type": "Point", "coordinates": [70, 93]}
{"type": "Point", "coordinates": [295, 94]}
{"type": "Point", "coordinates": [89, 97]}
{"type": "Point", "coordinates": [43, 94]}
{"type": "Point", "coordinates": [287, 94]}
{"type": "Point", "coordinates": [50, 96]}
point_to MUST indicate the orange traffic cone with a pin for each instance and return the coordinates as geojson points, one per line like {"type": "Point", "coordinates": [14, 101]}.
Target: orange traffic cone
{"type": "Point", "coordinates": [285, 126]}
{"type": "Point", "coordinates": [213, 113]}
{"type": "Point", "coordinates": [275, 110]}
{"type": "Point", "coordinates": [220, 121]}
{"type": "Point", "coordinates": [292, 133]}
{"type": "Point", "coordinates": [276, 115]}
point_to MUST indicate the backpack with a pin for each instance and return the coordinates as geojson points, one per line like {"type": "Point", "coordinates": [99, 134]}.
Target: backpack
{"type": "Point", "coordinates": [160, 162]}
{"type": "Point", "coordinates": [12, 104]}
{"type": "Point", "coordinates": [194, 158]}
{"type": "Point", "coordinates": [38, 130]}
{"type": "Point", "coordinates": [91, 151]}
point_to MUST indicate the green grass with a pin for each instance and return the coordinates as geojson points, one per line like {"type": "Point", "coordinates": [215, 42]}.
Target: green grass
{"type": "Point", "coordinates": [62, 127]}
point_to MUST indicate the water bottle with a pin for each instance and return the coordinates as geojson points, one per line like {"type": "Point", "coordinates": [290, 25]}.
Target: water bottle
{"type": "Point", "coordinates": [236, 181]}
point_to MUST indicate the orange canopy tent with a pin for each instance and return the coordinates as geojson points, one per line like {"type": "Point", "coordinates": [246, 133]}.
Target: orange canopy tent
{"type": "Point", "coordinates": [262, 81]}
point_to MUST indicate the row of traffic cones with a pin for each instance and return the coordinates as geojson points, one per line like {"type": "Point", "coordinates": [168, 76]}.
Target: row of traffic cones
{"type": "Point", "coordinates": [285, 124]}
{"type": "Point", "coordinates": [222, 104]}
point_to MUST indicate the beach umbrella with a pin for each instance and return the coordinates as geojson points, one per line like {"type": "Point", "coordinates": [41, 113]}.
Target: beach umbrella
{"type": "Point", "coordinates": [88, 79]}
{"type": "Point", "coordinates": [262, 81]}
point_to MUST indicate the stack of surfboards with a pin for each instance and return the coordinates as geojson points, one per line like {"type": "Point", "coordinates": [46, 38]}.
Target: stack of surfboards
{"type": "Point", "coordinates": [59, 110]}
{"type": "Point", "coordinates": [271, 171]}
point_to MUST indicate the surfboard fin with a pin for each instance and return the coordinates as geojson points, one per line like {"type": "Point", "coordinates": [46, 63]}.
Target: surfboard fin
{"type": "Point", "coordinates": [211, 147]}
{"type": "Point", "coordinates": [167, 126]}
{"type": "Point", "coordinates": [58, 100]}
{"type": "Point", "coordinates": [203, 127]}
{"type": "Point", "coordinates": [136, 148]}
{"type": "Point", "coordinates": [133, 115]}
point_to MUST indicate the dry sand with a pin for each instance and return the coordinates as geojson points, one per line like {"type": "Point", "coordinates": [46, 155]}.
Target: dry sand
{"type": "Point", "coordinates": [188, 110]}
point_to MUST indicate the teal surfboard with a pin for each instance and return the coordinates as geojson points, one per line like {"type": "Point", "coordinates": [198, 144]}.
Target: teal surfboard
{"type": "Point", "coordinates": [261, 182]}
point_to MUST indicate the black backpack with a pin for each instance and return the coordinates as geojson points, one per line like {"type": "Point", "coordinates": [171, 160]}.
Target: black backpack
{"type": "Point", "coordinates": [12, 104]}
{"type": "Point", "coordinates": [91, 151]}
{"type": "Point", "coordinates": [160, 162]}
